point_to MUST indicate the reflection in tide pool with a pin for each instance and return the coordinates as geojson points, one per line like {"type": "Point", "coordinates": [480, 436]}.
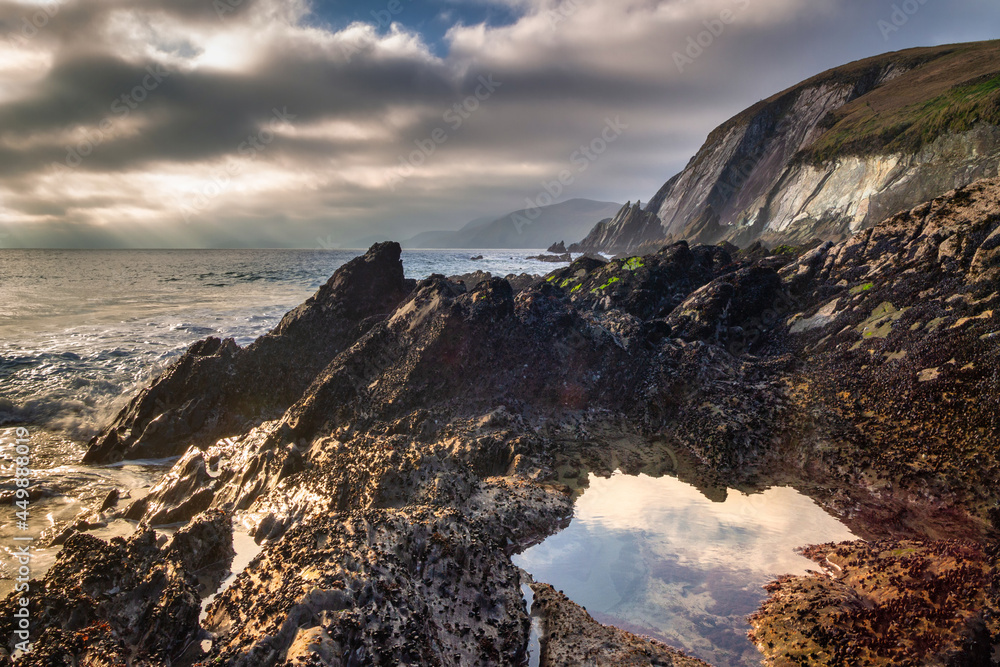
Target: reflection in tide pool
{"type": "Point", "coordinates": [656, 557]}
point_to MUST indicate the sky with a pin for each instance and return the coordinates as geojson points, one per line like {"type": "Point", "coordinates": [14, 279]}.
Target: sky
{"type": "Point", "coordinates": [288, 123]}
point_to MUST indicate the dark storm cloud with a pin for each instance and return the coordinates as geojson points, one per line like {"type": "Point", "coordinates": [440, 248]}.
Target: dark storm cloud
{"type": "Point", "coordinates": [360, 104]}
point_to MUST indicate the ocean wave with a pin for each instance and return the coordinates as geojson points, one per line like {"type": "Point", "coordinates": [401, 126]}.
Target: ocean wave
{"type": "Point", "coordinates": [78, 409]}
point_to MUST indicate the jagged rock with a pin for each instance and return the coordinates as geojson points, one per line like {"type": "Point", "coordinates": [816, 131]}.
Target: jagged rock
{"type": "Point", "coordinates": [184, 491]}
{"type": "Point", "coordinates": [110, 500]}
{"type": "Point", "coordinates": [517, 282]}
{"type": "Point", "coordinates": [522, 281]}
{"type": "Point", "coordinates": [108, 600]}
{"type": "Point", "coordinates": [557, 248]}
{"type": "Point", "coordinates": [631, 229]}
{"type": "Point", "coordinates": [564, 257]}
{"type": "Point", "coordinates": [470, 280]}
{"type": "Point", "coordinates": [216, 387]}
{"type": "Point", "coordinates": [647, 287]}
{"type": "Point", "coordinates": [733, 310]}
{"type": "Point", "coordinates": [205, 542]}
{"type": "Point", "coordinates": [896, 325]}
{"type": "Point", "coordinates": [413, 586]}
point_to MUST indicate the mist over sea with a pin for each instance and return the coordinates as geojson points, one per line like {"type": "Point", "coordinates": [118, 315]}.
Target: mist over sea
{"type": "Point", "coordinates": [82, 330]}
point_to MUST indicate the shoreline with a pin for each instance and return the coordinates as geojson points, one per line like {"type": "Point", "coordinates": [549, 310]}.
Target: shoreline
{"type": "Point", "coordinates": [393, 442]}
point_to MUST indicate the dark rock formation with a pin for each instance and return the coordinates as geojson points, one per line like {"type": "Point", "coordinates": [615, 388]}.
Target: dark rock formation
{"type": "Point", "coordinates": [218, 389]}
{"type": "Point", "coordinates": [414, 586]}
{"type": "Point", "coordinates": [205, 543]}
{"type": "Point", "coordinates": [517, 282]}
{"type": "Point", "coordinates": [565, 257]}
{"type": "Point", "coordinates": [649, 287]}
{"type": "Point", "coordinates": [426, 445]}
{"type": "Point", "coordinates": [557, 248]}
{"type": "Point", "coordinates": [109, 600]}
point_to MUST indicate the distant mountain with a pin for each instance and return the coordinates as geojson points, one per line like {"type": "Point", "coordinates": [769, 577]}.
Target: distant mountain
{"type": "Point", "coordinates": [831, 156]}
{"type": "Point", "coordinates": [531, 228]}
{"type": "Point", "coordinates": [479, 222]}
{"type": "Point", "coordinates": [432, 240]}
{"type": "Point", "coordinates": [366, 242]}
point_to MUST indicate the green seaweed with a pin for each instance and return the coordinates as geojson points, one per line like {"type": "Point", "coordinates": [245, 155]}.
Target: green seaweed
{"type": "Point", "coordinates": [633, 263]}
{"type": "Point", "coordinates": [611, 281]}
{"type": "Point", "coordinates": [862, 288]}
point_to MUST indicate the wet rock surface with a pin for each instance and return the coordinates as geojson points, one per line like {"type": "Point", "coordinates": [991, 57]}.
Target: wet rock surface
{"type": "Point", "coordinates": [392, 444]}
{"type": "Point", "coordinates": [572, 637]}
{"type": "Point", "coordinates": [118, 601]}
{"type": "Point", "coordinates": [419, 586]}
{"type": "Point", "coordinates": [885, 603]}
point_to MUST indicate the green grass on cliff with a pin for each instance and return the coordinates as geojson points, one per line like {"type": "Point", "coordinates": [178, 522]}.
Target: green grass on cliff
{"type": "Point", "coordinates": [866, 129]}
{"type": "Point", "coordinates": [937, 91]}
{"type": "Point", "coordinates": [934, 91]}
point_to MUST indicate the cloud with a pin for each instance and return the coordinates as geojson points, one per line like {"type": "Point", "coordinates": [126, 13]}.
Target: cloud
{"type": "Point", "coordinates": [154, 123]}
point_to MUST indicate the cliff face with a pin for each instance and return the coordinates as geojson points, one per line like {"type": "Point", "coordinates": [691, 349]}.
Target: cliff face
{"type": "Point", "coordinates": [630, 228]}
{"type": "Point", "coordinates": [835, 154]}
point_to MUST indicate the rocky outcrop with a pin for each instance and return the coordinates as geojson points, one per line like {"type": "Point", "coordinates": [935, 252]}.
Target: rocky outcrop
{"type": "Point", "coordinates": [885, 603]}
{"type": "Point", "coordinates": [555, 259]}
{"type": "Point", "coordinates": [899, 328]}
{"type": "Point", "coordinates": [109, 600]}
{"type": "Point", "coordinates": [417, 586]}
{"type": "Point", "coordinates": [218, 389]}
{"type": "Point", "coordinates": [833, 155]}
{"type": "Point", "coordinates": [630, 229]}
{"type": "Point", "coordinates": [389, 495]}
{"type": "Point", "coordinates": [558, 248]}
{"type": "Point", "coordinates": [518, 282]}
